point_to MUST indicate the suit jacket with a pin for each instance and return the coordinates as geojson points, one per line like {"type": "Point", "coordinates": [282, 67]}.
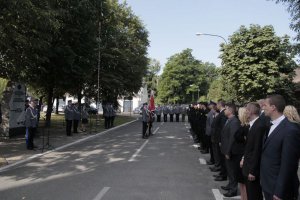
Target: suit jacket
{"type": "Point", "coordinates": [31, 117]}
{"type": "Point", "coordinates": [228, 133]}
{"type": "Point", "coordinates": [279, 161]}
{"type": "Point", "coordinates": [253, 148]}
{"type": "Point", "coordinates": [209, 120]}
{"type": "Point", "coordinates": [219, 123]}
{"type": "Point", "coordinates": [265, 119]}
{"type": "Point", "coordinates": [238, 146]}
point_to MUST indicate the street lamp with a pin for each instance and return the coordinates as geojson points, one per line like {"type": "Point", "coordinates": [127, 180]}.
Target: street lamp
{"type": "Point", "coordinates": [199, 34]}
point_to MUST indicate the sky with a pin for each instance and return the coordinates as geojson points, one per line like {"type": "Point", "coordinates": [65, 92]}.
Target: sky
{"type": "Point", "coordinates": [173, 24]}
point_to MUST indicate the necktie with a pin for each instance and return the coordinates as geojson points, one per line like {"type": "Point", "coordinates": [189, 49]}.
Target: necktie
{"type": "Point", "coordinates": [267, 131]}
{"type": "Point", "coordinates": [226, 122]}
{"type": "Point", "coordinates": [271, 124]}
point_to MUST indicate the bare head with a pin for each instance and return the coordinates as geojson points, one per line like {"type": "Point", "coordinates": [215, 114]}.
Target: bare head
{"type": "Point", "coordinates": [274, 106]}
{"type": "Point", "coordinates": [253, 110]}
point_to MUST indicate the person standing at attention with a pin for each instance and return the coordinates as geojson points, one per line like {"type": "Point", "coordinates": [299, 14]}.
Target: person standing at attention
{"type": "Point", "coordinates": [69, 116]}
{"type": "Point", "coordinates": [280, 154]}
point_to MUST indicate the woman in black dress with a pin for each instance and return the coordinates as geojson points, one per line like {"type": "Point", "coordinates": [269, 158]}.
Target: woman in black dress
{"type": "Point", "coordinates": [239, 148]}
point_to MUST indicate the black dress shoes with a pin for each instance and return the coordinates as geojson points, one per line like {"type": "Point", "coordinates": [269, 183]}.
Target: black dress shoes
{"type": "Point", "coordinates": [210, 163]}
{"type": "Point", "coordinates": [220, 178]}
{"type": "Point", "coordinates": [215, 169]}
{"type": "Point", "coordinates": [230, 194]}
{"type": "Point", "coordinates": [204, 151]}
{"type": "Point", "coordinates": [225, 187]}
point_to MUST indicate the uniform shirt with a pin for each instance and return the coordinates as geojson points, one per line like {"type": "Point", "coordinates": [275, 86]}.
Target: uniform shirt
{"type": "Point", "coordinates": [69, 113]}
{"type": "Point", "coordinates": [31, 117]}
{"type": "Point", "coordinates": [76, 114]}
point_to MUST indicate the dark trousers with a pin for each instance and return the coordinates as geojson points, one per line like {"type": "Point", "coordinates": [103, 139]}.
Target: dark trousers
{"type": "Point", "coordinates": [223, 171]}
{"type": "Point", "coordinates": [289, 196]}
{"type": "Point", "coordinates": [165, 117]}
{"type": "Point", "coordinates": [231, 166]}
{"type": "Point", "coordinates": [254, 191]}
{"type": "Point", "coordinates": [106, 122]}
{"type": "Point", "coordinates": [212, 158]}
{"type": "Point", "coordinates": [216, 152]}
{"type": "Point", "coordinates": [177, 117]}
{"type": "Point", "coordinates": [75, 125]}
{"type": "Point", "coordinates": [150, 128]}
{"type": "Point", "coordinates": [183, 117]}
{"type": "Point", "coordinates": [145, 126]}
{"type": "Point", "coordinates": [31, 135]}
{"type": "Point", "coordinates": [171, 117]}
{"type": "Point", "coordinates": [206, 140]}
{"type": "Point", "coordinates": [268, 196]}
{"type": "Point", "coordinates": [111, 120]}
{"type": "Point", "coordinates": [69, 127]}
{"type": "Point", "coordinates": [158, 118]}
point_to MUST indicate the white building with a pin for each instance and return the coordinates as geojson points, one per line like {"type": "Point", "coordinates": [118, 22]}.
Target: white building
{"type": "Point", "coordinates": [126, 105]}
{"type": "Point", "coordinates": [136, 102]}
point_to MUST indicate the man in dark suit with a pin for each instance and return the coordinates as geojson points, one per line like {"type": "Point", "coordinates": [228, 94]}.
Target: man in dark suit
{"type": "Point", "coordinates": [231, 127]}
{"type": "Point", "coordinates": [280, 154]}
{"type": "Point", "coordinates": [220, 121]}
{"type": "Point", "coordinates": [208, 130]}
{"type": "Point", "coordinates": [252, 155]}
{"type": "Point", "coordinates": [266, 120]}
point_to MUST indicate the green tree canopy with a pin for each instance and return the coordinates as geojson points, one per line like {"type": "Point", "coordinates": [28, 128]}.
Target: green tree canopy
{"type": "Point", "coordinates": [183, 77]}
{"type": "Point", "coordinates": [256, 62]}
{"type": "Point", "coordinates": [152, 77]}
{"type": "Point", "coordinates": [54, 47]}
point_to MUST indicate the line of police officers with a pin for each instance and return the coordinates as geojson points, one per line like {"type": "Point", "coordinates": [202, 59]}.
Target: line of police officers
{"type": "Point", "coordinates": [148, 116]}
{"type": "Point", "coordinates": [171, 110]}
{"type": "Point", "coordinates": [109, 115]}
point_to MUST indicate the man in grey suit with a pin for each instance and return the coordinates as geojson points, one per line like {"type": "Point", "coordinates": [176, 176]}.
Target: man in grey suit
{"type": "Point", "coordinates": [165, 112]}
{"type": "Point", "coordinates": [208, 130]}
{"type": "Point", "coordinates": [69, 116]}
{"type": "Point", "coordinates": [280, 154]}
{"type": "Point", "coordinates": [145, 120]}
{"type": "Point", "coordinates": [232, 125]}
{"type": "Point", "coordinates": [31, 123]}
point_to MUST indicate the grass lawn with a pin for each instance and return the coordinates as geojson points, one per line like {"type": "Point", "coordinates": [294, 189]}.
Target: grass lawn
{"type": "Point", "coordinates": [58, 125]}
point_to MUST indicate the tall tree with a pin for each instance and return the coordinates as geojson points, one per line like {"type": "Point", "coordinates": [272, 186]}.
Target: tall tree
{"type": "Point", "coordinates": [293, 7]}
{"type": "Point", "coordinates": [256, 62]}
{"type": "Point", "coordinates": [53, 46]}
{"type": "Point", "coordinates": [184, 77]}
{"type": "Point", "coordinates": [152, 77]}
{"type": "Point", "coordinates": [123, 48]}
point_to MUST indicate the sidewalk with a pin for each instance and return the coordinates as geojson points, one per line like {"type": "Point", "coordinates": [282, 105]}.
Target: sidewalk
{"type": "Point", "coordinates": [14, 149]}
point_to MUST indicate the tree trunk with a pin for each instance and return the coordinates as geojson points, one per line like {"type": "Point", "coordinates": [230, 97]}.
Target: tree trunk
{"type": "Point", "coordinates": [57, 104]}
{"type": "Point", "coordinates": [7, 93]}
{"type": "Point", "coordinates": [79, 100]}
{"type": "Point", "coordinates": [49, 107]}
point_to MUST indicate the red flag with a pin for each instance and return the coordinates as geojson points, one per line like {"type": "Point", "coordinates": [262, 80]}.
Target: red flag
{"type": "Point", "coordinates": [151, 104]}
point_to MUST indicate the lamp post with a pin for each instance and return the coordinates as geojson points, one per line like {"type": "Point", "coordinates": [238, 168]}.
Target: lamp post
{"type": "Point", "coordinates": [214, 35]}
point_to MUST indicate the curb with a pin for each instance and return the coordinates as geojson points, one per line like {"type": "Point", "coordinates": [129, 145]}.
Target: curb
{"type": "Point", "coordinates": [18, 163]}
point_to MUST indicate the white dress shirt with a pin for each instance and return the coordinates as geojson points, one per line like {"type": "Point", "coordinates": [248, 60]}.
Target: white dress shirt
{"type": "Point", "coordinates": [275, 123]}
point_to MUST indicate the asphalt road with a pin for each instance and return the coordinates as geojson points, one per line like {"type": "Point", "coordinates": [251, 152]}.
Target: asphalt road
{"type": "Point", "coordinates": [117, 165]}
